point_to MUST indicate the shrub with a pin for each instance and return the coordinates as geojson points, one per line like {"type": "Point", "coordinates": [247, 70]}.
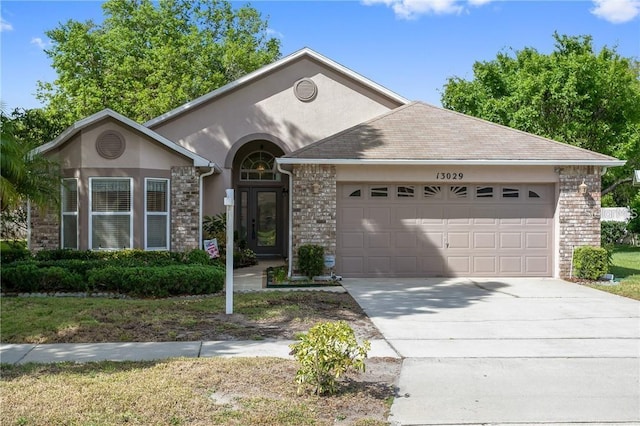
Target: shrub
{"type": "Point", "coordinates": [29, 277]}
{"type": "Point", "coordinates": [325, 353]}
{"type": "Point", "coordinates": [613, 232]}
{"type": "Point", "coordinates": [159, 281]}
{"type": "Point", "coordinates": [311, 260]}
{"type": "Point", "coordinates": [197, 257]}
{"type": "Point", "coordinates": [66, 254]}
{"type": "Point", "coordinates": [10, 253]}
{"type": "Point", "coordinates": [590, 262]}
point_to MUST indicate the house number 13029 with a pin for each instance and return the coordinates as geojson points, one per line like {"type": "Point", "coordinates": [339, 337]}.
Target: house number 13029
{"type": "Point", "coordinates": [449, 176]}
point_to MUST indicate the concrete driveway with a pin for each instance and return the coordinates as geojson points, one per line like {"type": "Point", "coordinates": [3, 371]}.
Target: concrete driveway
{"type": "Point", "coordinates": [504, 351]}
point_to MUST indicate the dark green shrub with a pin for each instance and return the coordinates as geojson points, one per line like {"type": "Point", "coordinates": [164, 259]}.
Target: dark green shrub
{"type": "Point", "coordinates": [311, 260]}
{"type": "Point", "coordinates": [10, 253]}
{"type": "Point", "coordinates": [29, 277]}
{"type": "Point", "coordinates": [613, 232]}
{"type": "Point", "coordinates": [590, 262]}
{"type": "Point", "coordinates": [325, 353]}
{"type": "Point", "coordinates": [159, 281]}
{"type": "Point", "coordinates": [65, 254]}
{"type": "Point", "coordinates": [197, 257]}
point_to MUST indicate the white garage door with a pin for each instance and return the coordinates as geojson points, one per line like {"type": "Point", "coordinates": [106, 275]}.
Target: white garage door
{"type": "Point", "coordinates": [416, 230]}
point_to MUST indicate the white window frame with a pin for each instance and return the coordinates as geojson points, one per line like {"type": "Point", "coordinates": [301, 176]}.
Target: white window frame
{"type": "Point", "coordinates": [64, 213]}
{"type": "Point", "coordinates": [166, 214]}
{"type": "Point", "coordinates": [92, 213]}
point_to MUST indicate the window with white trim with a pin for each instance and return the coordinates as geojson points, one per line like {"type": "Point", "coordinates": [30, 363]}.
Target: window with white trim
{"type": "Point", "coordinates": [111, 213]}
{"type": "Point", "coordinates": [156, 196]}
{"type": "Point", "coordinates": [69, 207]}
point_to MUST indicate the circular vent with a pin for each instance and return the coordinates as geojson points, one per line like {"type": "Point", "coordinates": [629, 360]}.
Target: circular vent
{"type": "Point", "coordinates": [110, 145]}
{"type": "Point", "coordinates": [305, 90]}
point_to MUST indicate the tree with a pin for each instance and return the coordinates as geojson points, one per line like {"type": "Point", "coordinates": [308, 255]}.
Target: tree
{"type": "Point", "coordinates": [574, 95]}
{"type": "Point", "coordinates": [23, 176]}
{"type": "Point", "coordinates": [147, 58]}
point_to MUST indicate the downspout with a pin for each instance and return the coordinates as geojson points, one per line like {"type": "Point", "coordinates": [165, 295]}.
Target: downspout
{"type": "Point", "coordinates": [28, 224]}
{"type": "Point", "coordinates": [290, 243]}
{"type": "Point", "coordinates": [201, 195]}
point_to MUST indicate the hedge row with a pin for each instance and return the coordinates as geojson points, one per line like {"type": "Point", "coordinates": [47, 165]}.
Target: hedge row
{"type": "Point", "coordinates": [141, 281]}
{"type": "Point", "coordinates": [132, 272]}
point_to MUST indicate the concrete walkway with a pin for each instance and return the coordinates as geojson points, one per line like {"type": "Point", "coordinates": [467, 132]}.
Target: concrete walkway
{"type": "Point", "coordinates": [508, 351]}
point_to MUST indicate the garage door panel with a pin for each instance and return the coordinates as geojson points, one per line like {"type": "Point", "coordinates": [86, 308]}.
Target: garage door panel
{"type": "Point", "coordinates": [352, 240]}
{"type": "Point", "coordinates": [510, 240]}
{"type": "Point", "coordinates": [458, 240]}
{"type": "Point", "coordinates": [458, 265]}
{"type": "Point", "coordinates": [352, 215]}
{"type": "Point", "coordinates": [406, 216]}
{"type": "Point", "coordinates": [431, 215]}
{"type": "Point", "coordinates": [406, 240]}
{"type": "Point", "coordinates": [510, 265]}
{"type": "Point", "coordinates": [459, 232]}
{"type": "Point", "coordinates": [537, 265]}
{"type": "Point", "coordinates": [432, 266]}
{"type": "Point", "coordinates": [379, 265]}
{"type": "Point", "coordinates": [379, 216]}
{"type": "Point", "coordinates": [378, 239]}
{"type": "Point", "coordinates": [537, 240]}
{"type": "Point", "coordinates": [484, 240]}
{"type": "Point", "coordinates": [431, 240]}
{"type": "Point", "coordinates": [406, 265]}
{"type": "Point", "coordinates": [485, 265]}
{"type": "Point", "coordinates": [351, 265]}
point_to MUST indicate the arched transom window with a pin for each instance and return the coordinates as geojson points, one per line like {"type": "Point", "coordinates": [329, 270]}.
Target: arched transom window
{"type": "Point", "coordinates": [259, 165]}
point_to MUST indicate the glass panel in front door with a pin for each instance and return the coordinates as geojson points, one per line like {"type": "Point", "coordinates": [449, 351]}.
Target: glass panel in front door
{"type": "Point", "coordinates": [266, 210]}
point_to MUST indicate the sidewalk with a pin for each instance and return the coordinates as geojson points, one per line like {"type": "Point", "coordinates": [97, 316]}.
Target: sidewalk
{"type": "Point", "coordinates": [149, 351]}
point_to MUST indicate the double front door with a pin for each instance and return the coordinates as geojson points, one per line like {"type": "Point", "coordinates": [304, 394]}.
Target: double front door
{"type": "Point", "coordinates": [261, 219]}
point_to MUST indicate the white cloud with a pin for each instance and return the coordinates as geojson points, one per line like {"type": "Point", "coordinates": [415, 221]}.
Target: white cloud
{"type": "Point", "coordinates": [39, 42]}
{"type": "Point", "coordinates": [5, 26]}
{"type": "Point", "coordinates": [616, 11]}
{"type": "Point", "coordinates": [274, 33]}
{"type": "Point", "coordinates": [412, 9]}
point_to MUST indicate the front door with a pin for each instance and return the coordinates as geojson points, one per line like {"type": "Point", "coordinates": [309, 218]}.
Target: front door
{"type": "Point", "coordinates": [260, 218]}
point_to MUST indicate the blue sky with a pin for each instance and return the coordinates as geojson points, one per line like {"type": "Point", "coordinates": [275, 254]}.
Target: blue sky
{"type": "Point", "coordinates": [408, 46]}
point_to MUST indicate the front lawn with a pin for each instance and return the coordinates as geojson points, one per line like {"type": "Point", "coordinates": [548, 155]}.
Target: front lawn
{"type": "Point", "coordinates": [213, 391]}
{"type": "Point", "coordinates": [256, 316]}
{"type": "Point", "coordinates": [626, 267]}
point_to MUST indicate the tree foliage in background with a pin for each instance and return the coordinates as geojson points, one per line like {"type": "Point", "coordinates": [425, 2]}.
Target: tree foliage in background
{"type": "Point", "coordinates": [147, 58]}
{"type": "Point", "coordinates": [573, 95]}
{"type": "Point", "coordinates": [24, 176]}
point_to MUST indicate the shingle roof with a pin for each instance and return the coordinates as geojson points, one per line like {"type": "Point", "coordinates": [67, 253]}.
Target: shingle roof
{"type": "Point", "coordinates": [418, 131]}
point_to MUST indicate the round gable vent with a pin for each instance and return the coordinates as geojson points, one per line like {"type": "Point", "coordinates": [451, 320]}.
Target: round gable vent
{"type": "Point", "coordinates": [110, 145]}
{"type": "Point", "coordinates": [305, 90]}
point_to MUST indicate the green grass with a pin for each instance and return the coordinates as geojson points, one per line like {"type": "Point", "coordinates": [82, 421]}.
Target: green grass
{"type": "Point", "coordinates": [257, 315]}
{"type": "Point", "coordinates": [626, 268]}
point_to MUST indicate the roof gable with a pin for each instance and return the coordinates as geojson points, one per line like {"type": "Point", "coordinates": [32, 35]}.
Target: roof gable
{"type": "Point", "coordinates": [423, 133]}
{"type": "Point", "coordinates": [269, 69]}
{"type": "Point", "coordinates": [72, 130]}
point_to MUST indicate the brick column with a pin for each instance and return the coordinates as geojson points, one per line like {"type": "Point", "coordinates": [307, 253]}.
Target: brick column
{"type": "Point", "coordinates": [45, 229]}
{"type": "Point", "coordinates": [579, 215]}
{"type": "Point", "coordinates": [185, 208]}
{"type": "Point", "coordinates": [314, 207]}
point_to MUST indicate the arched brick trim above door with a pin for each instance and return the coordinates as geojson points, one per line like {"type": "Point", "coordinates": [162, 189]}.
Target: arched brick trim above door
{"type": "Point", "coordinates": [228, 162]}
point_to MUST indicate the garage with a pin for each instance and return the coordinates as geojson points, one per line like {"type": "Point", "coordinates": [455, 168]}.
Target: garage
{"type": "Point", "coordinates": [452, 229]}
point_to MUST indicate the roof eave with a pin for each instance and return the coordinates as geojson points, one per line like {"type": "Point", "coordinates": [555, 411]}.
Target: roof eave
{"type": "Point", "coordinates": [475, 162]}
{"type": "Point", "coordinates": [198, 161]}
{"type": "Point", "coordinates": [260, 72]}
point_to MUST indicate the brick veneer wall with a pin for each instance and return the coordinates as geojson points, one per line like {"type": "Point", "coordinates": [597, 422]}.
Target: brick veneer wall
{"type": "Point", "coordinates": [45, 229]}
{"type": "Point", "coordinates": [314, 207]}
{"type": "Point", "coordinates": [185, 208]}
{"type": "Point", "coordinates": [579, 215]}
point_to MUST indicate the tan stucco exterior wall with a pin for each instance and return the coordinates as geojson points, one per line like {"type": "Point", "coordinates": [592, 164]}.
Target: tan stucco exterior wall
{"type": "Point", "coordinates": [269, 106]}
